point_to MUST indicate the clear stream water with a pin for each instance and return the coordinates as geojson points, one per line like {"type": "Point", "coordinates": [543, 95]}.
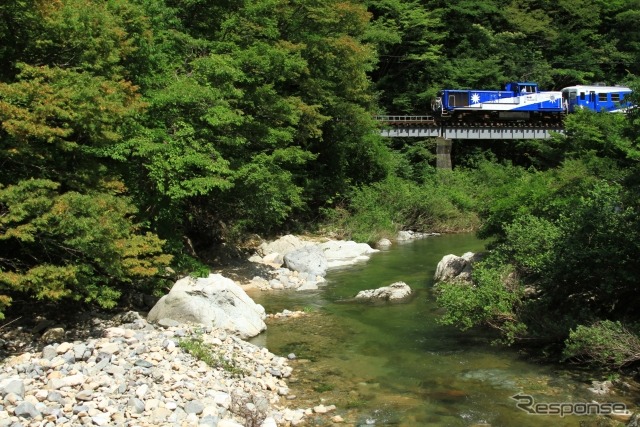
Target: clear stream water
{"type": "Point", "coordinates": [394, 365]}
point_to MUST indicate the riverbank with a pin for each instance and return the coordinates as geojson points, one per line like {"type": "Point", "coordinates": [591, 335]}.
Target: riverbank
{"type": "Point", "coordinates": [302, 262]}
{"type": "Point", "coordinates": [389, 363]}
{"type": "Point", "coordinates": [91, 368]}
{"type": "Point", "coordinates": [139, 374]}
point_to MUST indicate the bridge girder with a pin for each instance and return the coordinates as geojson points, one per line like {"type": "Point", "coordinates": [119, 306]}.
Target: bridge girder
{"type": "Point", "coordinates": [429, 127]}
{"type": "Point", "coordinates": [471, 132]}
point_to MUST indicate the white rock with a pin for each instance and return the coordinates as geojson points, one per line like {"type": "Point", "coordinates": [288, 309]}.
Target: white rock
{"type": "Point", "coordinates": [341, 253]}
{"type": "Point", "coordinates": [222, 399]}
{"type": "Point", "coordinates": [64, 347]}
{"type": "Point", "coordinates": [115, 332]}
{"type": "Point", "coordinates": [455, 268]}
{"type": "Point", "coordinates": [394, 292]}
{"type": "Point", "coordinates": [283, 245]}
{"type": "Point", "coordinates": [13, 385]}
{"type": "Point", "coordinates": [229, 423]}
{"type": "Point", "coordinates": [68, 381]}
{"type": "Point", "coordinates": [383, 243]}
{"type": "Point", "coordinates": [309, 259]}
{"type": "Point", "coordinates": [273, 258]}
{"type": "Point", "coordinates": [142, 391]}
{"type": "Point", "coordinates": [109, 347]}
{"type": "Point", "coordinates": [213, 301]}
{"type": "Point", "coordinates": [101, 420]}
{"type": "Point", "coordinates": [403, 236]}
{"type": "Point", "coordinates": [269, 422]}
{"type": "Point", "coordinates": [320, 409]}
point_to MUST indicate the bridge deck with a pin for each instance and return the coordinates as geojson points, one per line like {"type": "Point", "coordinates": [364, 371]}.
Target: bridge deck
{"type": "Point", "coordinates": [428, 127]}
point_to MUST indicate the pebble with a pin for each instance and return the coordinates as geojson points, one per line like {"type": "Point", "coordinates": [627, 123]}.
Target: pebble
{"type": "Point", "coordinates": [26, 410]}
{"type": "Point", "coordinates": [286, 314]}
{"type": "Point", "coordinates": [138, 375]}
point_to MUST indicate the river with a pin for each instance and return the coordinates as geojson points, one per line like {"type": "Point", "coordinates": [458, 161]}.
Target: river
{"type": "Point", "coordinates": [395, 365]}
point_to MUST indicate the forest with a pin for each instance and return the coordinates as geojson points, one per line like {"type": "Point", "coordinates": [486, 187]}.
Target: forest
{"type": "Point", "coordinates": [136, 136]}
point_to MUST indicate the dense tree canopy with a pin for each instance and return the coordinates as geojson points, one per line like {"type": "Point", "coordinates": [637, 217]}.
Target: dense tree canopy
{"type": "Point", "coordinates": [182, 120]}
{"type": "Point", "coordinates": [129, 127]}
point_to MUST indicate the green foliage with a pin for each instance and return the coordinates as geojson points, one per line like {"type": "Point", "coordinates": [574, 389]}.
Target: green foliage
{"type": "Point", "coordinates": [600, 135]}
{"type": "Point", "coordinates": [270, 193]}
{"type": "Point", "coordinates": [532, 243]}
{"type": "Point", "coordinates": [68, 230]}
{"type": "Point", "coordinates": [593, 259]}
{"type": "Point", "coordinates": [196, 120]}
{"type": "Point", "coordinates": [200, 120]}
{"type": "Point", "coordinates": [233, 129]}
{"type": "Point", "coordinates": [84, 247]}
{"type": "Point", "coordinates": [569, 234]}
{"type": "Point", "coordinates": [604, 343]}
{"type": "Point", "coordinates": [489, 301]}
{"type": "Point", "coordinates": [408, 42]}
{"type": "Point", "coordinates": [440, 203]}
{"type": "Point", "coordinates": [196, 347]}
{"type": "Point", "coordinates": [55, 122]}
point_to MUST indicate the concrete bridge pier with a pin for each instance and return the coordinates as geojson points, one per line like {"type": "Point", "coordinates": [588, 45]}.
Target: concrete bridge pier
{"type": "Point", "coordinates": [443, 153]}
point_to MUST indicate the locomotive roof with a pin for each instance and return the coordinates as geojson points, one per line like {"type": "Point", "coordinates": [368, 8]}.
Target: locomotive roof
{"type": "Point", "coordinates": [595, 88]}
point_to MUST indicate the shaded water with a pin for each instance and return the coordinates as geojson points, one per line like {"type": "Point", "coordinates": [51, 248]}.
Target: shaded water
{"type": "Point", "coordinates": [394, 365]}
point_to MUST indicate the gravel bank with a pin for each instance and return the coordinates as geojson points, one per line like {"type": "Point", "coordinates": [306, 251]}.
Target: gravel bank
{"type": "Point", "coordinates": [139, 374]}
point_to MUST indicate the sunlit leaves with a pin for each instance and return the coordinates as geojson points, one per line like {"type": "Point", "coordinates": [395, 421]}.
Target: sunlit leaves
{"type": "Point", "coordinates": [72, 245]}
{"type": "Point", "coordinates": [181, 165]}
{"type": "Point", "coordinates": [91, 107]}
{"type": "Point", "coordinates": [83, 34]}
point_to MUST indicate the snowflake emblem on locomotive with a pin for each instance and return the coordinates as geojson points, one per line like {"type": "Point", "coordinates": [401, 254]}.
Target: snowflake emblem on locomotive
{"type": "Point", "coordinates": [524, 102]}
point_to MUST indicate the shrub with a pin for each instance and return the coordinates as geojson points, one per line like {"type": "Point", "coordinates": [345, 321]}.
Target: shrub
{"type": "Point", "coordinates": [605, 343]}
{"type": "Point", "coordinates": [486, 302]}
{"type": "Point", "coordinates": [70, 245]}
{"type": "Point", "coordinates": [443, 202]}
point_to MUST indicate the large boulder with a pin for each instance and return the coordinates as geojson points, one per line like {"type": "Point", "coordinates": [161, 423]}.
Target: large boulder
{"type": "Point", "coordinates": [408, 235]}
{"type": "Point", "coordinates": [452, 268]}
{"type": "Point", "coordinates": [398, 291]}
{"type": "Point", "coordinates": [308, 259]}
{"type": "Point", "coordinates": [340, 253]}
{"type": "Point", "coordinates": [383, 244]}
{"type": "Point", "coordinates": [213, 301]}
{"type": "Point", "coordinates": [283, 245]}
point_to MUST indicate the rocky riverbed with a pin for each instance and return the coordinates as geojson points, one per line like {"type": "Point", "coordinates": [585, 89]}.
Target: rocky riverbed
{"type": "Point", "coordinates": [139, 374]}
{"type": "Point", "coordinates": [125, 371]}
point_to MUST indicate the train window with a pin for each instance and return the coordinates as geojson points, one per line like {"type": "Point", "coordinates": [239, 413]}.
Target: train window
{"type": "Point", "coordinates": [582, 96]}
{"type": "Point", "coordinates": [602, 97]}
{"type": "Point", "coordinates": [615, 97]}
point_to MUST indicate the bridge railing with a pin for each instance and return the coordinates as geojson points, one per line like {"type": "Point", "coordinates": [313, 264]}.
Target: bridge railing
{"type": "Point", "coordinates": [406, 120]}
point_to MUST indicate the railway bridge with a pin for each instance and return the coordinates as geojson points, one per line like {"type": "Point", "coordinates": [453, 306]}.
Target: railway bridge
{"type": "Point", "coordinates": [428, 127]}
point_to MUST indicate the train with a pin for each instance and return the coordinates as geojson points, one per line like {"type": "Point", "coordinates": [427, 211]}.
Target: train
{"type": "Point", "coordinates": [525, 102]}
{"type": "Point", "coordinates": [597, 98]}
